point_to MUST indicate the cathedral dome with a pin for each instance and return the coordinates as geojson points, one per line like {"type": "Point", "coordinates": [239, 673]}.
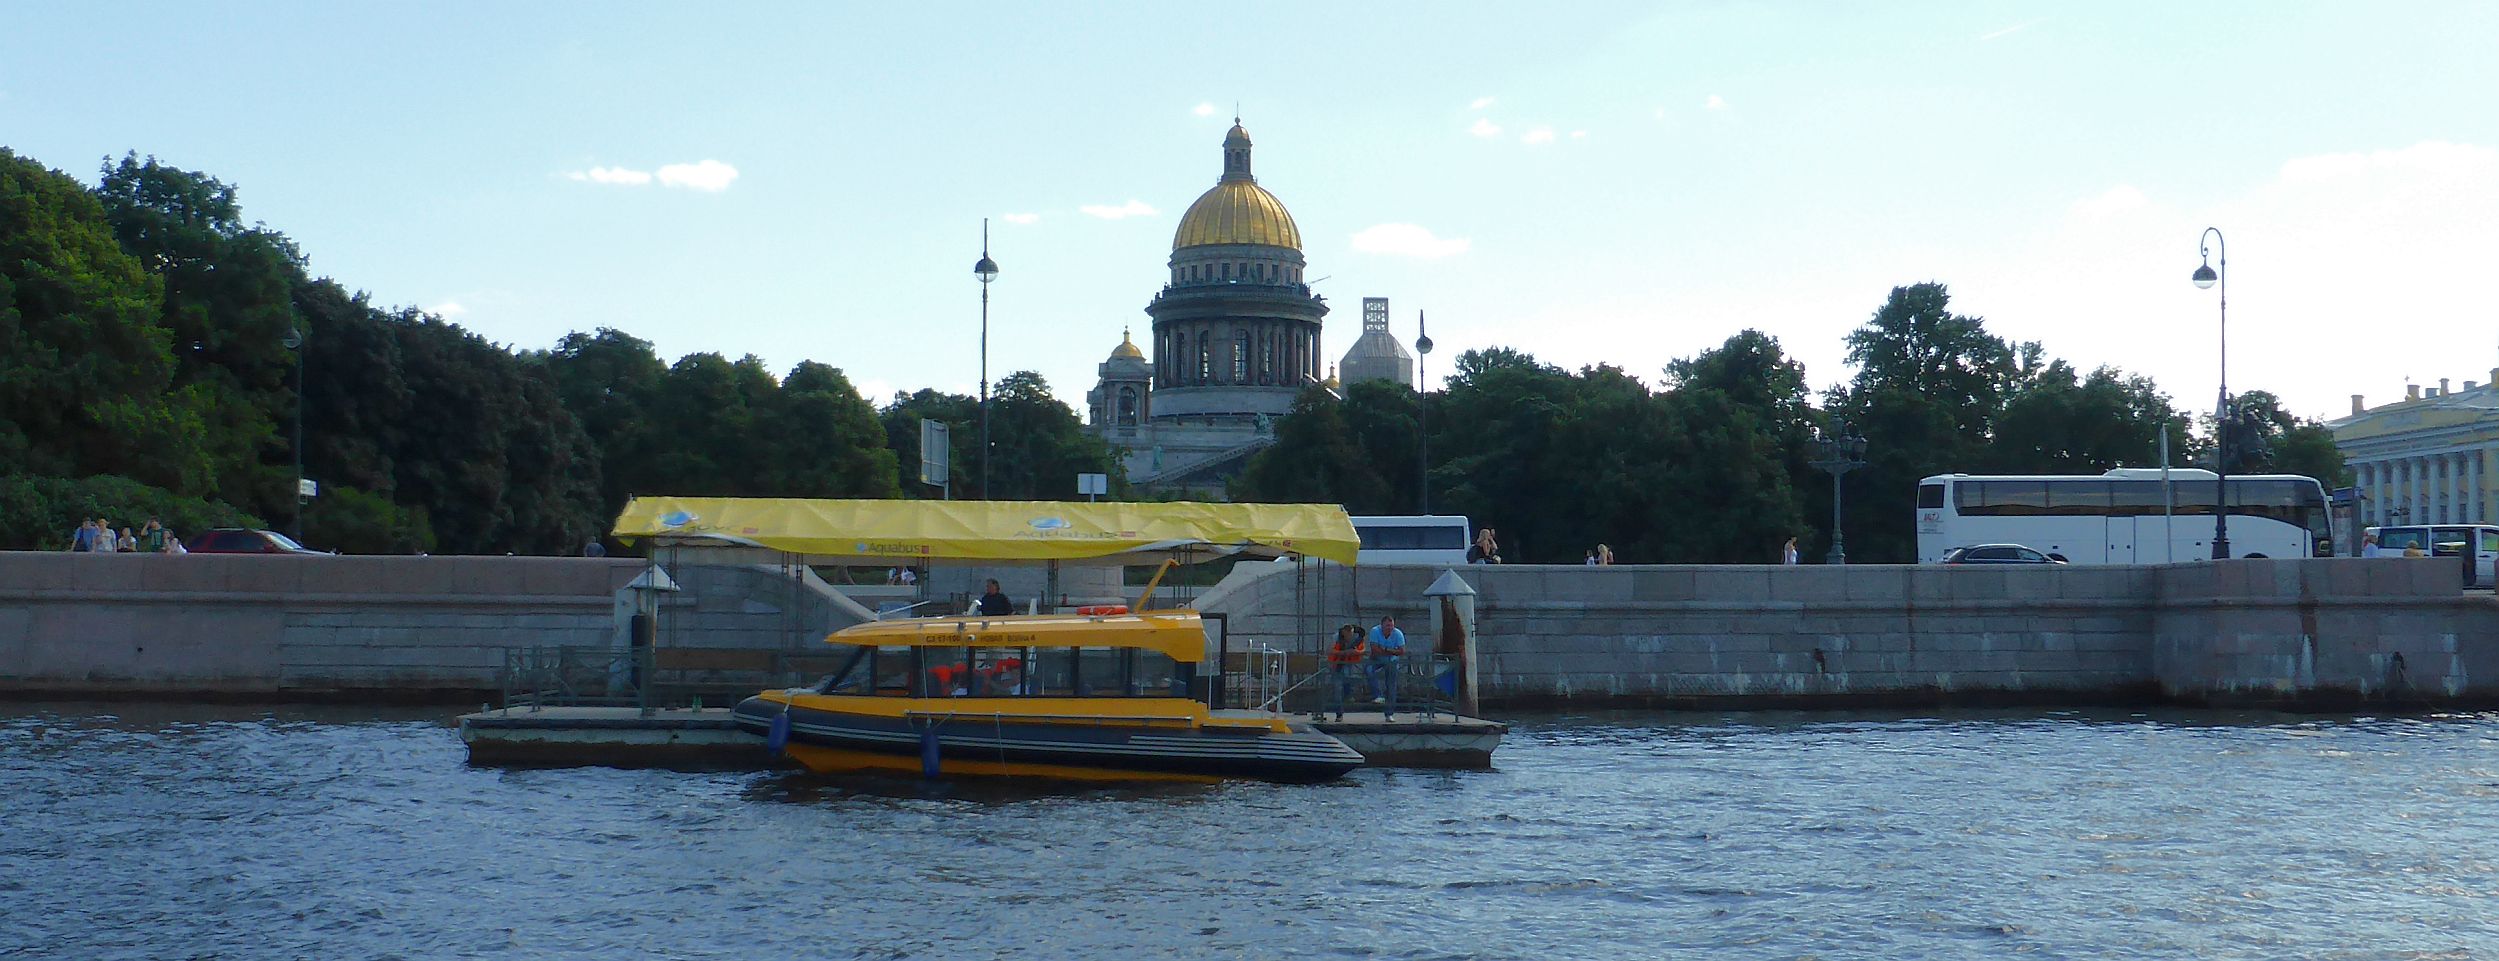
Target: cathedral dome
{"type": "Point", "coordinates": [1127, 349]}
{"type": "Point", "coordinates": [1237, 210]}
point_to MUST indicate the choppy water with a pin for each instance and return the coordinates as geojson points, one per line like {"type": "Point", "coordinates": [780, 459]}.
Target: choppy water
{"type": "Point", "coordinates": [130, 832]}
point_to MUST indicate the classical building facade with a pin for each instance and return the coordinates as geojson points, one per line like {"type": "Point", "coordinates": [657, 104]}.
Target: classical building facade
{"type": "Point", "coordinates": [1377, 355]}
{"type": "Point", "coordinates": [1235, 338]}
{"type": "Point", "coordinates": [2431, 458]}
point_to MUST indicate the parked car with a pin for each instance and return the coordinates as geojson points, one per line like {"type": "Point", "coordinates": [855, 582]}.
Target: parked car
{"type": "Point", "coordinates": [243, 540]}
{"type": "Point", "coordinates": [1998, 554]}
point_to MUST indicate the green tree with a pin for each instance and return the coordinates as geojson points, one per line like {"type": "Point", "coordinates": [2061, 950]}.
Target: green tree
{"type": "Point", "coordinates": [1318, 458]}
{"type": "Point", "coordinates": [85, 370]}
{"type": "Point", "coordinates": [824, 440]}
{"type": "Point", "coordinates": [609, 381]}
{"type": "Point", "coordinates": [2267, 439]}
{"type": "Point", "coordinates": [1929, 388]}
{"type": "Point", "coordinates": [1038, 444]}
{"type": "Point", "coordinates": [228, 305]}
{"type": "Point", "coordinates": [2058, 424]}
{"type": "Point", "coordinates": [901, 421]}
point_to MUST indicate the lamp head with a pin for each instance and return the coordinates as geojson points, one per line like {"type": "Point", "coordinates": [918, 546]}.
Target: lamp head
{"type": "Point", "coordinates": [2204, 276]}
{"type": "Point", "coordinates": [293, 338]}
{"type": "Point", "coordinates": [985, 269]}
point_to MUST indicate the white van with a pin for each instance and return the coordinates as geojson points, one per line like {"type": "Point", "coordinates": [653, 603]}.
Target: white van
{"type": "Point", "coordinates": [1424, 539]}
{"type": "Point", "coordinates": [2476, 546]}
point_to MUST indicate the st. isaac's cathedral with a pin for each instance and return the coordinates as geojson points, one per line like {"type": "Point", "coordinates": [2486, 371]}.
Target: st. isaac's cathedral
{"type": "Point", "coordinates": [1235, 338]}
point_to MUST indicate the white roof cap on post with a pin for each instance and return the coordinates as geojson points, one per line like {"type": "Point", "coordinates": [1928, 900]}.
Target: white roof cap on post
{"type": "Point", "coordinates": [1450, 585]}
{"type": "Point", "coordinates": [652, 579]}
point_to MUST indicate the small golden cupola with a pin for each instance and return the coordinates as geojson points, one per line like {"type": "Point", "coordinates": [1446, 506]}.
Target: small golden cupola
{"type": "Point", "coordinates": [1127, 349]}
{"type": "Point", "coordinates": [1237, 210]}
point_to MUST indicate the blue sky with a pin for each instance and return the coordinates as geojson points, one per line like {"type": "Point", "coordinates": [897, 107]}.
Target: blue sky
{"type": "Point", "coordinates": [1591, 183]}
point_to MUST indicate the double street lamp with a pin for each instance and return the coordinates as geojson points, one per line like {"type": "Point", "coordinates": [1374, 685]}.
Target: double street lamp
{"type": "Point", "coordinates": [1838, 451]}
{"type": "Point", "coordinates": [2206, 275]}
{"type": "Point", "coordinates": [987, 270]}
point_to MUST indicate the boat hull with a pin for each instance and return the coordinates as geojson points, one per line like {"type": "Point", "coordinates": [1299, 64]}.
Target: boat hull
{"type": "Point", "coordinates": [832, 741]}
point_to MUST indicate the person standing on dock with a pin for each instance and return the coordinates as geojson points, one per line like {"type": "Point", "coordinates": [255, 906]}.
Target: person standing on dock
{"type": "Point", "coordinates": [1788, 555]}
{"type": "Point", "coordinates": [994, 602]}
{"type": "Point", "coordinates": [1344, 666]}
{"type": "Point", "coordinates": [1388, 653]}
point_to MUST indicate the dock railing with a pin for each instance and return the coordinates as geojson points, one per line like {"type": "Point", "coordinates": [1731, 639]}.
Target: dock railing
{"type": "Point", "coordinates": [1418, 678]}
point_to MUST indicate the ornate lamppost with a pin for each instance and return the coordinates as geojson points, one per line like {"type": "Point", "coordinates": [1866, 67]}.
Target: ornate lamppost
{"type": "Point", "coordinates": [987, 270]}
{"type": "Point", "coordinates": [294, 341]}
{"type": "Point", "coordinates": [1422, 421]}
{"type": "Point", "coordinates": [2206, 275]}
{"type": "Point", "coordinates": [1838, 451]}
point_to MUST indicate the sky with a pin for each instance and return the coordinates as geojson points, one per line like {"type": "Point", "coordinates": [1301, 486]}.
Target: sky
{"type": "Point", "coordinates": [1590, 183]}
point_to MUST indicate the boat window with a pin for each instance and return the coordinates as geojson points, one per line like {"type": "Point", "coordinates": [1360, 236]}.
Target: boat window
{"type": "Point", "coordinates": [999, 671]}
{"type": "Point", "coordinates": [1101, 671]}
{"type": "Point", "coordinates": [1155, 675]}
{"type": "Point", "coordinates": [947, 671]}
{"type": "Point", "coordinates": [1054, 671]}
{"type": "Point", "coordinates": [893, 671]}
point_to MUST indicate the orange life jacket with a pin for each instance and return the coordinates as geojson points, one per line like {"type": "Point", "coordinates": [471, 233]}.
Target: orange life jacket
{"type": "Point", "coordinates": [1341, 654]}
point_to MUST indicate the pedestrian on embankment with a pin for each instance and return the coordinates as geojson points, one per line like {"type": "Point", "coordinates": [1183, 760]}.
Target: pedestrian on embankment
{"type": "Point", "coordinates": [1388, 655]}
{"type": "Point", "coordinates": [1345, 666]}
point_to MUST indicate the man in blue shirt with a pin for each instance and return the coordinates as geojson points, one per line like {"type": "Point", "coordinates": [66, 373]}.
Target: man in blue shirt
{"type": "Point", "coordinates": [1388, 652]}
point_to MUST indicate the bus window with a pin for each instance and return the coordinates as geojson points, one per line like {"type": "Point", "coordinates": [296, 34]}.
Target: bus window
{"type": "Point", "coordinates": [1930, 495]}
{"type": "Point", "coordinates": [1999, 498]}
{"type": "Point", "coordinates": [2089, 498]}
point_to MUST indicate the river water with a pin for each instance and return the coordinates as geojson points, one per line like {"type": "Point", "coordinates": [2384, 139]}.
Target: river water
{"type": "Point", "coordinates": [201, 832]}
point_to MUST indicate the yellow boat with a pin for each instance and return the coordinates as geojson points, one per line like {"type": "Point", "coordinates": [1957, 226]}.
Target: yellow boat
{"type": "Point", "coordinates": [1096, 696]}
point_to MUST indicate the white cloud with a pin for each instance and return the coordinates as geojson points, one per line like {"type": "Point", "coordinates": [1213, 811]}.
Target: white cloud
{"type": "Point", "coordinates": [1538, 135]}
{"type": "Point", "coordinates": [1579, 135]}
{"type": "Point", "coordinates": [1133, 208]}
{"type": "Point", "coordinates": [1659, 113]}
{"type": "Point", "coordinates": [2006, 32]}
{"type": "Point", "coordinates": [1203, 110]}
{"type": "Point", "coordinates": [1480, 103]}
{"type": "Point", "coordinates": [1485, 128]}
{"type": "Point", "coordinates": [2429, 157]}
{"type": "Point", "coordinates": [709, 176]}
{"type": "Point", "coordinates": [612, 175]}
{"type": "Point", "coordinates": [1408, 240]}
{"type": "Point", "coordinates": [1020, 218]}
{"type": "Point", "coordinates": [1715, 102]}
{"type": "Point", "coordinates": [447, 310]}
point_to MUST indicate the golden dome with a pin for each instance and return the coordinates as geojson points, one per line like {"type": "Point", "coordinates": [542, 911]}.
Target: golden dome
{"type": "Point", "coordinates": [1127, 348]}
{"type": "Point", "coordinates": [1237, 210]}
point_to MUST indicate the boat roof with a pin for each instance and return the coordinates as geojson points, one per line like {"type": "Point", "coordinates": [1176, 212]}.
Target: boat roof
{"type": "Point", "coordinates": [886, 531]}
{"type": "Point", "coordinates": [1177, 633]}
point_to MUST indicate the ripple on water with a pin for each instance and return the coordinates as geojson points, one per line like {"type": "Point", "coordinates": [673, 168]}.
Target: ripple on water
{"type": "Point", "coordinates": [142, 832]}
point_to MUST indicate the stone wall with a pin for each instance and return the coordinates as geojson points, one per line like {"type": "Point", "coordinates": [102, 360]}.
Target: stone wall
{"type": "Point", "coordinates": [252, 625]}
{"type": "Point", "coordinates": [2289, 632]}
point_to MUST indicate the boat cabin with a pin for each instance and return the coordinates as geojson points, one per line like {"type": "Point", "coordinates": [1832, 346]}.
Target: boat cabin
{"type": "Point", "coordinates": [1049, 655]}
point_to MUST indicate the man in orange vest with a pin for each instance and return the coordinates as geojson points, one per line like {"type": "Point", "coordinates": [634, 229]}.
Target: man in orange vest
{"type": "Point", "coordinates": [1345, 665]}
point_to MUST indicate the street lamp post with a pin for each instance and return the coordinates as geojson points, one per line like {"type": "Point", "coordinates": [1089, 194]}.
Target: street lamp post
{"type": "Point", "coordinates": [294, 341]}
{"type": "Point", "coordinates": [1422, 418]}
{"type": "Point", "coordinates": [987, 270]}
{"type": "Point", "coordinates": [2206, 275]}
{"type": "Point", "coordinates": [1838, 452]}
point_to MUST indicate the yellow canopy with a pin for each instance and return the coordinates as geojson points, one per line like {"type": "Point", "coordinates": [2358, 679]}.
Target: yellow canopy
{"type": "Point", "coordinates": [886, 530]}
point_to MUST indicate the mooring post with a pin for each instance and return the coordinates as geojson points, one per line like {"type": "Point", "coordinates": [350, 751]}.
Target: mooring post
{"type": "Point", "coordinates": [1452, 601]}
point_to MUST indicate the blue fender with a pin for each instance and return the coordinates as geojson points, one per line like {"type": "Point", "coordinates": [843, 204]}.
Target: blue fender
{"type": "Point", "coordinates": [778, 738]}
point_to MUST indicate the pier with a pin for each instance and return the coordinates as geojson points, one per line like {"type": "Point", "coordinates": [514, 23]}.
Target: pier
{"type": "Point", "coordinates": [708, 739]}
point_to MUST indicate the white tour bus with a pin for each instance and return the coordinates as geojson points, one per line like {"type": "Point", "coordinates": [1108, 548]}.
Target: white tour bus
{"type": "Point", "coordinates": [2118, 517]}
{"type": "Point", "coordinates": [1421, 539]}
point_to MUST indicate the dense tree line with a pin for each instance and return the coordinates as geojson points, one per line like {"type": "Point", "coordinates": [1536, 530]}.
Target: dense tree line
{"type": "Point", "coordinates": [150, 342]}
{"type": "Point", "coordinates": [1715, 465]}
{"type": "Point", "coordinates": [154, 347]}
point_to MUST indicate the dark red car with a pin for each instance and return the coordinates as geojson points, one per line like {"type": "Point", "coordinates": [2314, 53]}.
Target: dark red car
{"type": "Point", "coordinates": [240, 540]}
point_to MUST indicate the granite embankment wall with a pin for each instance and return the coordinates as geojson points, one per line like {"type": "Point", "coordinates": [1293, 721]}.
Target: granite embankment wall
{"type": "Point", "coordinates": [277, 626]}
{"type": "Point", "coordinates": [2327, 633]}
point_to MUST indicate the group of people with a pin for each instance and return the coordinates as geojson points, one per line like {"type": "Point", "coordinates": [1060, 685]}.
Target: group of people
{"type": "Point", "coordinates": [1375, 658]}
{"type": "Point", "coordinates": [2369, 547]}
{"type": "Point", "coordinates": [97, 536]}
{"type": "Point", "coordinates": [902, 576]}
{"type": "Point", "coordinates": [1485, 550]}
{"type": "Point", "coordinates": [1600, 556]}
